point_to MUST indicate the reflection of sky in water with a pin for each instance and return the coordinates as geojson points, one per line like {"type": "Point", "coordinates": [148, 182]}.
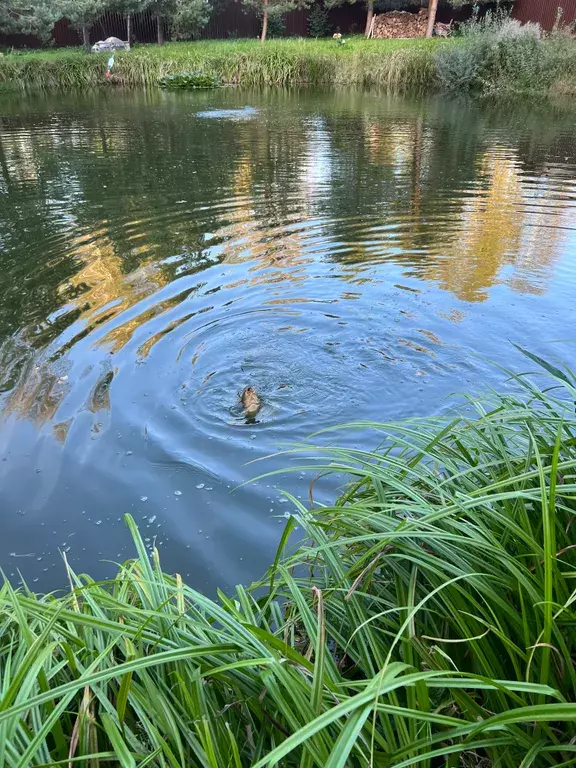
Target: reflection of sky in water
{"type": "Point", "coordinates": [245, 113]}
{"type": "Point", "coordinates": [350, 258]}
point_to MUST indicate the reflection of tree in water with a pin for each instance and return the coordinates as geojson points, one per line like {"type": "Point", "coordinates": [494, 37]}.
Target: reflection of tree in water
{"type": "Point", "coordinates": [489, 234]}
{"type": "Point", "coordinates": [32, 389]}
{"type": "Point", "coordinates": [104, 204]}
{"type": "Point", "coordinates": [28, 230]}
{"type": "Point", "coordinates": [498, 228]}
{"type": "Point", "coordinates": [456, 204]}
{"type": "Point", "coordinates": [267, 187]}
{"type": "Point", "coordinates": [397, 173]}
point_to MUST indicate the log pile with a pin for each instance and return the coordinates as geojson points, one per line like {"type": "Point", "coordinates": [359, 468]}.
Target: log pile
{"type": "Point", "coordinates": [400, 24]}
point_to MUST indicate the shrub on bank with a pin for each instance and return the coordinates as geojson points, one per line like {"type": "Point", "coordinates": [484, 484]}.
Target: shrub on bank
{"type": "Point", "coordinates": [427, 620]}
{"type": "Point", "coordinates": [318, 21]}
{"type": "Point", "coordinates": [498, 53]}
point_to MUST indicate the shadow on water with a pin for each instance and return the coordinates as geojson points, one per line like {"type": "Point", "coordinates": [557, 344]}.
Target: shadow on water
{"type": "Point", "coordinates": [346, 255]}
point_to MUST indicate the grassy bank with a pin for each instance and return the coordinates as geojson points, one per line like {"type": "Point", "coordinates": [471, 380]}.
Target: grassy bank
{"type": "Point", "coordinates": [496, 59]}
{"type": "Point", "coordinates": [397, 65]}
{"type": "Point", "coordinates": [428, 620]}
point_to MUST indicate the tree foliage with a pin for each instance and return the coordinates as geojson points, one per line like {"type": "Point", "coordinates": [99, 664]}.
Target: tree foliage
{"type": "Point", "coordinates": [273, 9]}
{"type": "Point", "coordinates": [183, 17]}
{"type": "Point", "coordinates": [81, 15]}
{"type": "Point", "coordinates": [37, 17]}
{"type": "Point", "coordinates": [81, 12]}
{"type": "Point", "coordinates": [189, 17]}
{"type": "Point", "coordinates": [28, 17]}
{"type": "Point", "coordinates": [127, 6]}
{"type": "Point", "coordinates": [318, 23]}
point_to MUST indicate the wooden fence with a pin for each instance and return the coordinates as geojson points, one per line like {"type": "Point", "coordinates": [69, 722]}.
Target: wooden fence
{"type": "Point", "coordinates": [232, 20]}
{"type": "Point", "coordinates": [229, 20]}
{"type": "Point", "coordinates": [544, 11]}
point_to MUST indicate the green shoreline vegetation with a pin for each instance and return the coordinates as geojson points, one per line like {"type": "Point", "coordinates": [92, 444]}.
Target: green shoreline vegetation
{"type": "Point", "coordinates": [507, 59]}
{"type": "Point", "coordinates": [389, 63]}
{"type": "Point", "coordinates": [427, 618]}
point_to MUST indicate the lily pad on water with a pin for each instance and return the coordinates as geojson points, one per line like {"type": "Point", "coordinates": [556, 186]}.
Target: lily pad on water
{"type": "Point", "coordinates": [190, 80]}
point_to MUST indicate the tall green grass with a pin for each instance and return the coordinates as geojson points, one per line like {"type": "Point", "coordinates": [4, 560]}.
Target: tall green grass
{"type": "Point", "coordinates": [508, 59]}
{"type": "Point", "coordinates": [427, 620]}
{"type": "Point", "coordinates": [397, 66]}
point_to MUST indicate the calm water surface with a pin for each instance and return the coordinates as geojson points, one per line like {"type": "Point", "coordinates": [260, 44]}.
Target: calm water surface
{"type": "Point", "coordinates": [347, 255]}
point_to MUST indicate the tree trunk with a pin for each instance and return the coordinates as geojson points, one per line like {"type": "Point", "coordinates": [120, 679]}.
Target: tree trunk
{"type": "Point", "coordinates": [129, 29]}
{"type": "Point", "coordinates": [432, 8]}
{"type": "Point", "coordinates": [369, 17]}
{"type": "Point", "coordinates": [160, 29]}
{"type": "Point", "coordinates": [86, 37]}
{"type": "Point", "coordinates": [264, 22]}
{"type": "Point", "coordinates": [416, 207]}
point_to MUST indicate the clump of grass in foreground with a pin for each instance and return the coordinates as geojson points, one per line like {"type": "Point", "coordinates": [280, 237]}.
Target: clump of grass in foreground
{"type": "Point", "coordinates": [428, 620]}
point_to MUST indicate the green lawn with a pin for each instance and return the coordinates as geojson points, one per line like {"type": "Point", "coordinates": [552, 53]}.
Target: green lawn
{"type": "Point", "coordinates": [353, 44]}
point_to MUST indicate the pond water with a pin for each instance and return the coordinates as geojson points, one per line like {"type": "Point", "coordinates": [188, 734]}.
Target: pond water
{"type": "Point", "coordinates": [347, 255]}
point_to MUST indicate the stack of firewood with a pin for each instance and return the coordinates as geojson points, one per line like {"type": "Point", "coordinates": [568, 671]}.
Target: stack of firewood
{"type": "Point", "coordinates": [400, 24]}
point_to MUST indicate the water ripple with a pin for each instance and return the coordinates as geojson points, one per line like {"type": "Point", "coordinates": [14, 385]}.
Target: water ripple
{"type": "Point", "coordinates": [347, 256]}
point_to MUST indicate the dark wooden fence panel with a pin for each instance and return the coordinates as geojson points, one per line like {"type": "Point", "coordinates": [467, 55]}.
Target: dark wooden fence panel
{"type": "Point", "coordinates": [19, 41]}
{"type": "Point", "coordinates": [544, 11]}
{"type": "Point", "coordinates": [231, 20]}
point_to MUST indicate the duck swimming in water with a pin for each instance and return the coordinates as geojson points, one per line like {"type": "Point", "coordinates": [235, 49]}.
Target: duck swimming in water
{"type": "Point", "coordinates": [251, 402]}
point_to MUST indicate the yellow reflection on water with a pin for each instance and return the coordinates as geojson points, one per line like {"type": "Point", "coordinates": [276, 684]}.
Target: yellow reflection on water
{"type": "Point", "coordinates": [492, 233]}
